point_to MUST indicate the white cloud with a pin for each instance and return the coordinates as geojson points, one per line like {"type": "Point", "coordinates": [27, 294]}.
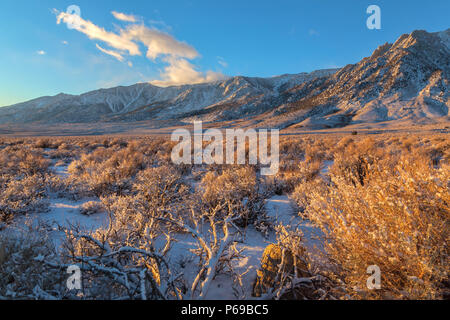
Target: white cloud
{"type": "Point", "coordinates": [158, 44]}
{"type": "Point", "coordinates": [313, 32]}
{"type": "Point", "coordinates": [222, 62]}
{"type": "Point", "coordinates": [124, 17]}
{"type": "Point", "coordinates": [41, 52]}
{"type": "Point", "coordinates": [112, 53]}
{"type": "Point", "coordinates": [64, 42]}
{"type": "Point", "coordinates": [117, 41]}
{"type": "Point", "coordinates": [180, 71]}
{"type": "Point", "coordinates": [161, 25]}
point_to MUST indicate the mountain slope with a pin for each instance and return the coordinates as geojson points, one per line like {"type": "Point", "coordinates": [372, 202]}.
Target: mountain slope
{"type": "Point", "coordinates": [145, 101]}
{"type": "Point", "coordinates": [406, 80]}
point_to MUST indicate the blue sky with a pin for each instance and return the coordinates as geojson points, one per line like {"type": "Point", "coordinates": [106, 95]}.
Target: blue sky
{"type": "Point", "coordinates": [182, 41]}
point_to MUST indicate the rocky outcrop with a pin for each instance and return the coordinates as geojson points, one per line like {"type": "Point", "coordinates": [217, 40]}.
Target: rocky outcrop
{"type": "Point", "coordinates": [277, 262]}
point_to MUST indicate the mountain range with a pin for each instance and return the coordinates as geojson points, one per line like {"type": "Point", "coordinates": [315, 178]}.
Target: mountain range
{"type": "Point", "coordinates": [407, 81]}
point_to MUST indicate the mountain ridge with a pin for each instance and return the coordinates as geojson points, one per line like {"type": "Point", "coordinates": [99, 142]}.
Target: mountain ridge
{"type": "Point", "coordinates": [405, 80]}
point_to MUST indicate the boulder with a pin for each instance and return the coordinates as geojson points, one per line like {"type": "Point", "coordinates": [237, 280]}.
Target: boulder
{"type": "Point", "coordinates": [276, 261]}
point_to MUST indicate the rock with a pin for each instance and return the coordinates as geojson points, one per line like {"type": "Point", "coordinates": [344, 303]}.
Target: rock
{"type": "Point", "coordinates": [271, 268]}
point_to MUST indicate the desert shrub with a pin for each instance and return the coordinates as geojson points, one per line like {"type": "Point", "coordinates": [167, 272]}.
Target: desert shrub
{"type": "Point", "coordinates": [303, 161]}
{"type": "Point", "coordinates": [317, 152]}
{"type": "Point", "coordinates": [105, 171]}
{"type": "Point", "coordinates": [437, 150]}
{"type": "Point", "coordinates": [23, 195]}
{"type": "Point", "coordinates": [300, 172]}
{"type": "Point", "coordinates": [236, 183]}
{"type": "Point", "coordinates": [353, 160]}
{"type": "Point", "coordinates": [158, 192]}
{"type": "Point", "coordinates": [61, 154]}
{"type": "Point", "coordinates": [24, 273]}
{"type": "Point", "coordinates": [238, 187]}
{"type": "Point", "coordinates": [131, 258]}
{"type": "Point", "coordinates": [290, 147]}
{"type": "Point", "coordinates": [398, 219]}
{"type": "Point", "coordinates": [118, 142]}
{"type": "Point", "coordinates": [91, 207]}
{"type": "Point", "coordinates": [139, 237]}
{"type": "Point", "coordinates": [304, 173]}
{"type": "Point", "coordinates": [43, 143]}
{"type": "Point", "coordinates": [16, 161]}
{"type": "Point", "coordinates": [343, 143]}
{"type": "Point", "coordinates": [160, 186]}
{"type": "Point", "coordinates": [65, 146]}
{"type": "Point", "coordinates": [61, 187]}
{"type": "Point", "coordinates": [22, 182]}
{"type": "Point", "coordinates": [302, 195]}
{"type": "Point", "coordinates": [274, 185]}
{"type": "Point", "coordinates": [130, 241]}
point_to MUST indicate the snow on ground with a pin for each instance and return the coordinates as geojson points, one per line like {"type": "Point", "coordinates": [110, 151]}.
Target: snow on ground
{"type": "Point", "coordinates": [61, 171]}
{"type": "Point", "coordinates": [62, 213]}
{"type": "Point", "coordinates": [326, 167]}
{"type": "Point", "coordinates": [281, 209]}
{"type": "Point", "coordinates": [66, 213]}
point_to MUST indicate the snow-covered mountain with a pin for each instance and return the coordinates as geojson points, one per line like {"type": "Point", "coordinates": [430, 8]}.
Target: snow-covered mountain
{"type": "Point", "coordinates": [405, 80]}
{"type": "Point", "coordinates": [144, 101]}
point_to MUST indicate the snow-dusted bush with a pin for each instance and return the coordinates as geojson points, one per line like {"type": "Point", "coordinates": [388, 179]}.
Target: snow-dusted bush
{"type": "Point", "coordinates": [21, 161]}
{"type": "Point", "coordinates": [352, 160]}
{"type": "Point", "coordinates": [394, 217]}
{"type": "Point", "coordinates": [302, 195]}
{"type": "Point", "coordinates": [301, 160]}
{"type": "Point", "coordinates": [160, 186]}
{"type": "Point", "coordinates": [23, 182]}
{"type": "Point", "coordinates": [62, 154]}
{"type": "Point", "coordinates": [105, 171]}
{"type": "Point", "coordinates": [238, 187]}
{"type": "Point", "coordinates": [91, 207]}
{"type": "Point", "coordinates": [131, 257]}
{"type": "Point", "coordinates": [24, 273]}
{"type": "Point", "coordinates": [21, 196]}
{"type": "Point", "coordinates": [128, 258]}
{"type": "Point", "coordinates": [44, 143]}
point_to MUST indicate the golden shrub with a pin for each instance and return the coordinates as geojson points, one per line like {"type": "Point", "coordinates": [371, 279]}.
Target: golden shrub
{"type": "Point", "coordinates": [398, 219]}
